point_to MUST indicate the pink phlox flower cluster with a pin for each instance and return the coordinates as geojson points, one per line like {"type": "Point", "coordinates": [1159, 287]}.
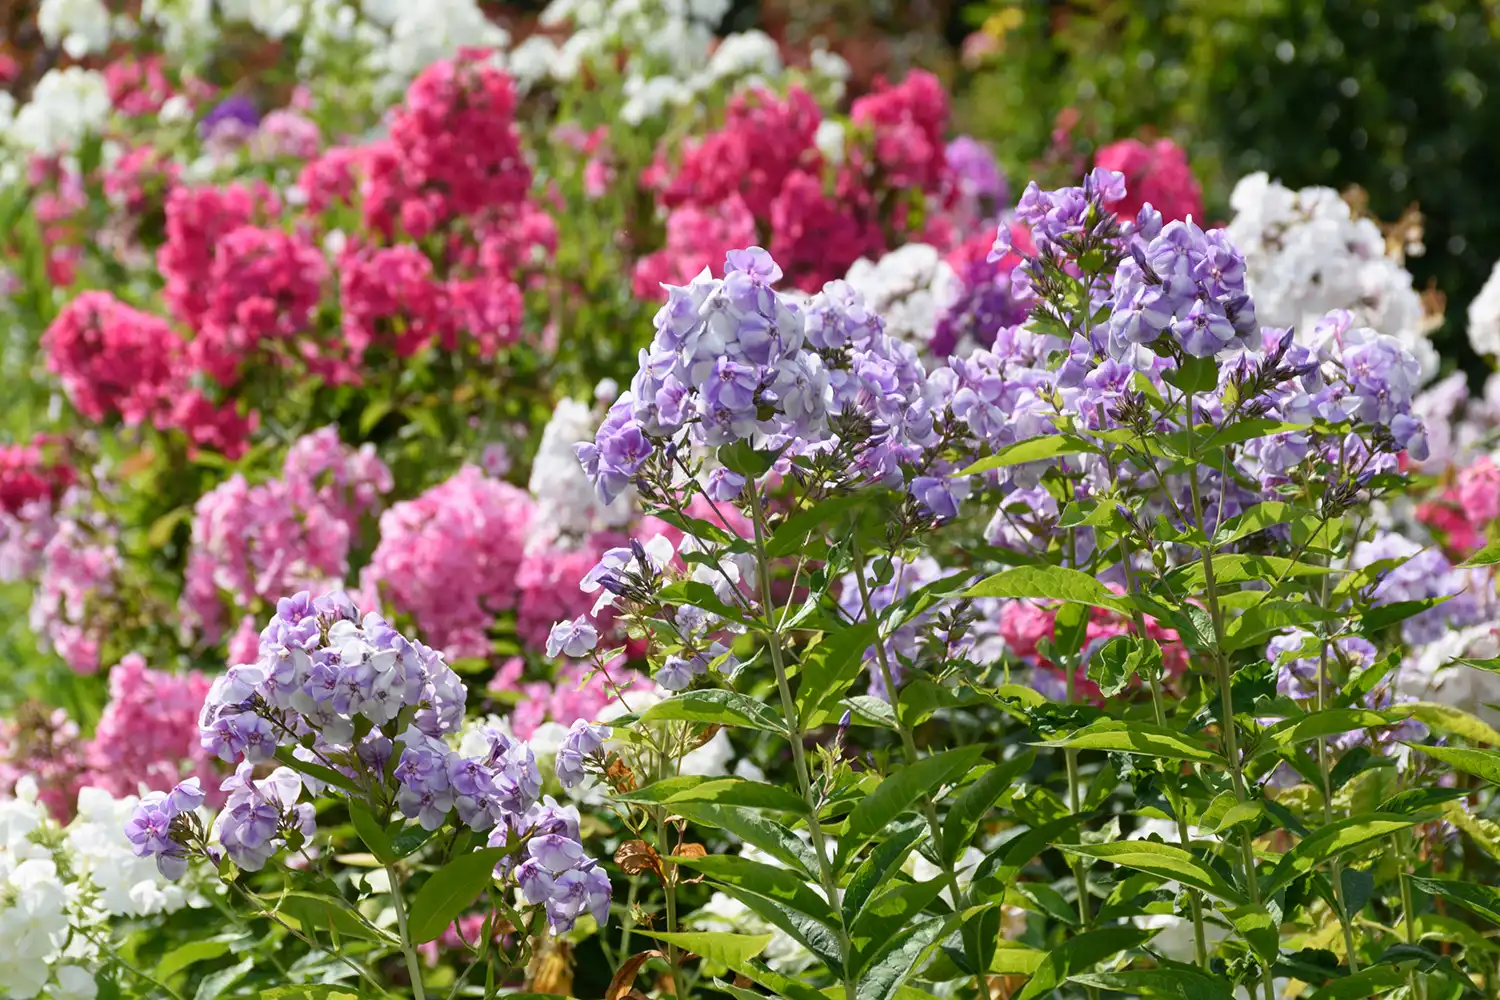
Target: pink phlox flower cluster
{"type": "Point", "coordinates": [1464, 510]}
{"type": "Point", "coordinates": [286, 134]}
{"type": "Point", "coordinates": [112, 359]}
{"type": "Point", "coordinates": [696, 235]}
{"type": "Point", "coordinates": [137, 85]}
{"type": "Point", "coordinates": [197, 221]}
{"type": "Point", "coordinates": [906, 124]}
{"type": "Point", "coordinates": [42, 743]}
{"type": "Point", "coordinates": [148, 732]}
{"type": "Point", "coordinates": [255, 543]}
{"type": "Point", "coordinates": [263, 289]}
{"type": "Point", "coordinates": [79, 565]}
{"type": "Point", "coordinates": [548, 581]}
{"type": "Point", "coordinates": [451, 558]}
{"type": "Point", "coordinates": [139, 178]}
{"type": "Point", "coordinates": [32, 482]}
{"type": "Point", "coordinates": [1157, 173]}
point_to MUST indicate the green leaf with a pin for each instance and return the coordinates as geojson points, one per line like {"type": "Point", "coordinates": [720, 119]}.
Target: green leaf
{"type": "Point", "coordinates": [1258, 518]}
{"type": "Point", "coordinates": [1257, 926]}
{"type": "Point", "coordinates": [1238, 567]}
{"type": "Point", "coordinates": [753, 828]}
{"type": "Point", "coordinates": [1115, 664]}
{"type": "Point", "coordinates": [867, 710]}
{"type": "Point", "coordinates": [905, 953]}
{"type": "Point", "coordinates": [1453, 721]}
{"type": "Point", "coordinates": [1175, 983]}
{"type": "Point", "coordinates": [899, 791]}
{"type": "Point", "coordinates": [308, 993]}
{"type": "Point", "coordinates": [327, 775]}
{"type": "Point", "coordinates": [1034, 449]}
{"type": "Point", "coordinates": [880, 866]}
{"type": "Point", "coordinates": [1137, 738]}
{"type": "Point", "coordinates": [318, 912]}
{"type": "Point", "coordinates": [723, 791]}
{"type": "Point", "coordinates": [1414, 800]}
{"type": "Point", "coordinates": [1271, 616]}
{"type": "Point", "coordinates": [1165, 861]}
{"type": "Point", "coordinates": [791, 535]}
{"type": "Point", "coordinates": [1080, 954]}
{"type": "Point", "coordinates": [1481, 900]}
{"type": "Point", "coordinates": [777, 884]}
{"type": "Point", "coordinates": [1049, 583]}
{"type": "Point", "coordinates": [181, 957]}
{"type": "Point", "coordinates": [1327, 841]}
{"type": "Point", "coordinates": [716, 946]}
{"type": "Point", "coordinates": [884, 919]}
{"type": "Point", "coordinates": [830, 667]}
{"type": "Point", "coordinates": [747, 461]}
{"type": "Point", "coordinates": [215, 983]}
{"type": "Point", "coordinates": [371, 832]}
{"type": "Point", "coordinates": [813, 933]}
{"type": "Point", "coordinates": [701, 595]}
{"type": "Point", "coordinates": [1330, 722]}
{"type": "Point", "coordinates": [1385, 615]}
{"type": "Point", "coordinates": [1194, 374]}
{"type": "Point", "coordinates": [1487, 556]}
{"type": "Point", "coordinates": [450, 890]}
{"type": "Point", "coordinates": [373, 413]}
{"type": "Point", "coordinates": [778, 984]}
{"type": "Point", "coordinates": [718, 707]}
{"type": "Point", "coordinates": [975, 801]}
{"type": "Point", "coordinates": [1012, 958]}
{"type": "Point", "coordinates": [1371, 982]}
{"type": "Point", "coordinates": [1480, 763]}
{"type": "Point", "coordinates": [407, 841]}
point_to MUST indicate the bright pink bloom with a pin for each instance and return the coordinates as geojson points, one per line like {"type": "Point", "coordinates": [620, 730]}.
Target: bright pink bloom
{"type": "Point", "coordinates": [906, 123]}
{"type": "Point", "coordinates": [78, 569]}
{"type": "Point", "coordinates": [137, 86]}
{"type": "Point", "coordinates": [1479, 491]}
{"type": "Point", "coordinates": [198, 219]}
{"type": "Point", "coordinates": [112, 359]}
{"type": "Point", "coordinates": [451, 558]}
{"type": "Point", "coordinates": [815, 235]}
{"type": "Point", "coordinates": [548, 579]}
{"type": "Point", "coordinates": [1158, 173]}
{"type": "Point", "coordinates": [697, 237]}
{"type": "Point", "coordinates": [149, 731]}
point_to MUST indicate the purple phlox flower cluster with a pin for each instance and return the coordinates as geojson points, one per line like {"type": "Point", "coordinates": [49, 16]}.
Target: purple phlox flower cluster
{"type": "Point", "coordinates": [582, 742]}
{"type": "Point", "coordinates": [433, 778]}
{"type": "Point", "coordinates": [158, 826]}
{"type": "Point", "coordinates": [576, 638]}
{"type": "Point", "coordinates": [621, 567]}
{"type": "Point", "coordinates": [901, 645]}
{"type": "Point", "coordinates": [734, 360]}
{"type": "Point", "coordinates": [557, 872]}
{"type": "Point", "coordinates": [1418, 573]}
{"type": "Point", "coordinates": [1182, 282]}
{"type": "Point", "coordinates": [975, 173]}
{"type": "Point", "coordinates": [260, 814]}
{"type": "Point", "coordinates": [1057, 218]}
{"type": "Point", "coordinates": [726, 365]}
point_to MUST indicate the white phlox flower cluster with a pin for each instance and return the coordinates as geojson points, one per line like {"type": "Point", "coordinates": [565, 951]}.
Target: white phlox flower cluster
{"type": "Point", "coordinates": [908, 287]}
{"type": "Point", "coordinates": [66, 107]}
{"type": "Point", "coordinates": [78, 27]}
{"type": "Point", "coordinates": [59, 887]}
{"type": "Point", "coordinates": [1484, 317]}
{"type": "Point", "coordinates": [566, 501]}
{"type": "Point", "coordinates": [1307, 254]}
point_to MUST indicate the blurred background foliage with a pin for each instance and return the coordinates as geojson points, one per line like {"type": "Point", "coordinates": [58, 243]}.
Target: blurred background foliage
{"type": "Point", "coordinates": [1398, 97]}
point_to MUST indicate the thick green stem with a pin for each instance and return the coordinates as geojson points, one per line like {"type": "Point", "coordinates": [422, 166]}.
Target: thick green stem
{"type": "Point", "coordinates": [1334, 868]}
{"type": "Point", "coordinates": [669, 879]}
{"type": "Point", "coordinates": [408, 949]}
{"type": "Point", "coordinates": [795, 735]}
{"type": "Point", "coordinates": [909, 749]}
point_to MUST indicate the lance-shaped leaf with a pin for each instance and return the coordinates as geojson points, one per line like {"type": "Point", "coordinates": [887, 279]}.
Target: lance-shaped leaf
{"type": "Point", "coordinates": [753, 828]}
{"type": "Point", "coordinates": [1138, 738]}
{"type": "Point", "coordinates": [1165, 861]}
{"type": "Point", "coordinates": [1080, 954]}
{"type": "Point", "coordinates": [903, 954]}
{"type": "Point", "coordinates": [1480, 900]}
{"type": "Point", "coordinates": [723, 791]}
{"type": "Point", "coordinates": [896, 794]}
{"type": "Point", "coordinates": [716, 946]}
{"type": "Point", "coordinates": [1335, 838]}
{"type": "Point", "coordinates": [1175, 983]}
{"type": "Point", "coordinates": [1049, 583]}
{"type": "Point", "coordinates": [450, 890]}
{"type": "Point", "coordinates": [976, 800]}
{"type": "Point", "coordinates": [884, 919]}
{"type": "Point", "coordinates": [1034, 449]}
{"type": "Point", "coordinates": [829, 668]}
{"type": "Point", "coordinates": [1330, 722]}
{"type": "Point", "coordinates": [718, 707]}
{"type": "Point", "coordinates": [1480, 763]}
{"type": "Point", "coordinates": [880, 865]}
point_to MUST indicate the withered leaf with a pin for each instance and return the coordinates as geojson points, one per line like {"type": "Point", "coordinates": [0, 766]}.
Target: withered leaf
{"type": "Point", "coordinates": [636, 856]}
{"type": "Point", "coordinates": [620, 987]}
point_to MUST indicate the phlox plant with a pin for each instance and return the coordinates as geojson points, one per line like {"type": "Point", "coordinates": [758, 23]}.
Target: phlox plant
{"type": "Point", "coordinates": [352, 711]}
{"type": "Point", "coordinates": [1180, 498]}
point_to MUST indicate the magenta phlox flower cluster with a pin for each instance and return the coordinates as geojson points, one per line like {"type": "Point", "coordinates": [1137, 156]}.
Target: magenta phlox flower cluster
{"type": "Point", "coordinates": [451, 558]}
{"type": "Point", "coordinates": [1156, 173]}
{"type": "Point", "coordinates": [80, 564]}
{"type": "Point", "coordinates": [253, 543]}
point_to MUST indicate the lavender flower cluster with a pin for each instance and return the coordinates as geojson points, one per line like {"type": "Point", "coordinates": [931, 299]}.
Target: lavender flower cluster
{"type": "Point", "coordinates": [345, 692]}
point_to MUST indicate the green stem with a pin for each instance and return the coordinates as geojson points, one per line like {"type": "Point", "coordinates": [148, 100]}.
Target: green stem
{"type": "Point", "coordinates": [795, 735]}
{"type": "Point", "coordinates": [1174, 790]}
{"type": "Point", "coordinates": [909, 749]}
{"type": "Point", "coordinates": [1226, 696]}
{"type": "Point", "coordinates": [1334, 867]}
{"type": "Point", "coordinates": [409, 950]}
{"type": "Point", "coordinates": [669, 881]}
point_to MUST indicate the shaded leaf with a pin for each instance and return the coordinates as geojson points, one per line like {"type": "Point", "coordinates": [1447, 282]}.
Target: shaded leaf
{"type": "Point", "coordinates": [724, 708]}
{"type": "Point", "coordinates": [1079, 954]}
{"type": "Point", "coordinates": [450, 890]}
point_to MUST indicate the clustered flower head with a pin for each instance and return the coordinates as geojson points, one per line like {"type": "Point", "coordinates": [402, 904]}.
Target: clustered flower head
{"type": "Point", "coordinates": [1156, 173]}
{"type": "Point", "coordinates": [451, 558]}
{"type": "Point", "coordinates": [252, 544]}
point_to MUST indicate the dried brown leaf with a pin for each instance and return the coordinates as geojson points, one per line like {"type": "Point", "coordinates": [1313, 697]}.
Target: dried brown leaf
{"type": "Point", "coordinates": [621, 986]}
{"type": "Point", "coordinates": [636, 857]}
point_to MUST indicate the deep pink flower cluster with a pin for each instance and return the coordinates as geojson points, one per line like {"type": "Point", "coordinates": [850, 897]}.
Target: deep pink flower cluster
{"type": "Point", "coordinates": [906, 124]}
{"type": "Point", "coordinates": [451, 559]}
{"type": "Point", "coordinates": [1157, 173]}
{"type": "Point", "coordinates": [137, 85]}
{"type": "Point", "coordinates": [148, 732]}
{"type": "Point", "coordinates": [32, 472]}
{"type": "Point", "coordinates": [1024, 624]}
{"type": "Point", "coordinates": [198, 219]}
{"type": "Point", "coordinates": [255, 544]}
{"type": "Point", "coordinates": [1466, 508]}
{"type": "Point", "coordinates": [760, 178]}
{"type": "Point", "coordinates": [139, 177]}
